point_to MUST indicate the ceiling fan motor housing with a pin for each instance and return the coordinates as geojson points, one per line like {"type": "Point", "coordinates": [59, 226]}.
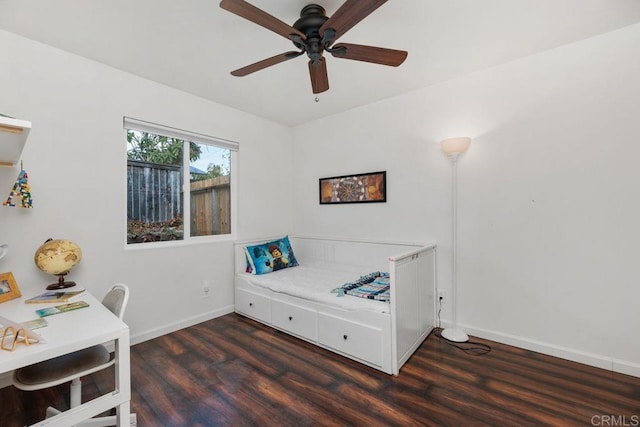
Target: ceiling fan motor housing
{"type": "Point", "coordinates": [312, 17]}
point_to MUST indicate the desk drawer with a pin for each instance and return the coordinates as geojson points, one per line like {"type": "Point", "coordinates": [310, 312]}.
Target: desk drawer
{"type": "Point", "coordinates": [253, 305]}
{"type": "Point", "coordinates": [358, 340]}
{"type": "Point", "coordinates": [294, 318]}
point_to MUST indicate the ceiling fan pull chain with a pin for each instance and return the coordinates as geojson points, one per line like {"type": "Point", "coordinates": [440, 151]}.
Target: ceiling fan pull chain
{"type": "Point", "coordinates": [317, 99]}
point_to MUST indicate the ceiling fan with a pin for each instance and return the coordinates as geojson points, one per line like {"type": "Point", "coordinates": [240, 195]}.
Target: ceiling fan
{"type": "Point", "coordinates": [313, 34]}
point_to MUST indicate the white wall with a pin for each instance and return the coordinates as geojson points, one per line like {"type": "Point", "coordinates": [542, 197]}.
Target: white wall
{"type": "Point", "coordinates": [548, 193]}
{"type": "Point", "coordinates": [75, 158]}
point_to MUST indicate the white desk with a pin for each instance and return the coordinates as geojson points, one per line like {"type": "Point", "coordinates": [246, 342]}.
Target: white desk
{"type": "Point", "coordinates": [68, 332]}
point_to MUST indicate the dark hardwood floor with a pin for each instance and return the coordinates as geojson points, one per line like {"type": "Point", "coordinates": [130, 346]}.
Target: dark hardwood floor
{"type": "Point", "coordinates": [233, 371]}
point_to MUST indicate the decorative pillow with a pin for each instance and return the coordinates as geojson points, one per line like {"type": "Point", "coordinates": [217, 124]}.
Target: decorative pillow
{"type": "Point", "coordinates": [271, 256]}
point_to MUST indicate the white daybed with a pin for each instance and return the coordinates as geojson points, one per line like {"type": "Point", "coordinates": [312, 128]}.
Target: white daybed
{"type": "Point", "coordinates": [298, 300]}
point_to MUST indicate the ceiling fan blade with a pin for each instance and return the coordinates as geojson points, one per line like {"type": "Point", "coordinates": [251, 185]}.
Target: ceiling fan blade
{"type": "Point", "coordinates": [319, 77]}
{"type": "Point", "coordinates": [349, 14]}
{"type": "Point", "coordinates": [241, 72]}
{"type": "Point", "coordinates": [376, 55]}
{"type": "Point", "coordinates": [260, 17]}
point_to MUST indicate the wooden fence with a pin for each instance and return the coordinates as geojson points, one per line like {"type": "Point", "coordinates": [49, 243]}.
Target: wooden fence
{"type": "Point", "coordinates": [210, 206]}
{"type": "Point", "coordinates": [154, 194]}
{"type": "Point", "coordinates": [154, 191]}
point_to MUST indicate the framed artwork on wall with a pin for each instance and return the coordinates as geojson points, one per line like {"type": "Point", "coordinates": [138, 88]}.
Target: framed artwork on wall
{"type": "Point", "coordinates": [8, 287]}
{"type": "Point", "coordinates": [360, 188]}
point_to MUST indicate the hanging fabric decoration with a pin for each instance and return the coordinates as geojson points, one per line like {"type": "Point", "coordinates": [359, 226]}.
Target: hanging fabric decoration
{"type": "Point", "coordinates": [21, 189]}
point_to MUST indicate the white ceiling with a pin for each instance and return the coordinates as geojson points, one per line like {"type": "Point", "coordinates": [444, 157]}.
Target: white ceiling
{"type": "Point", "coordinates": [192, 45]}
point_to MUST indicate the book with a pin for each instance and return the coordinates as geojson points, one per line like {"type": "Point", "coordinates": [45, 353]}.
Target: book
{"type": "Point", "coordinates": [35, 323]}
{"type": "Point", "coordinates": [63, 308]}
{"type": "Point", "coordinates": [53, 296]}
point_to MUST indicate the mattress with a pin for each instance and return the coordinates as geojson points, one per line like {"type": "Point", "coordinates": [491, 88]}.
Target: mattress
{"type": "Point", "coordinates": [314, 282]}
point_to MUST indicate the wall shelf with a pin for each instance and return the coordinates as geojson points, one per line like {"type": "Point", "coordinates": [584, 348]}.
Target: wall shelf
{"type": "Point", "coordinates": [13, 135]}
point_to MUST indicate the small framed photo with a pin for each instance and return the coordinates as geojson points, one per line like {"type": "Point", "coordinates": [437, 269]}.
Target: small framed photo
{"type": "Point", "coordinates": [8, 287]}
{"type": "Point", "coordinates": [360, 188]}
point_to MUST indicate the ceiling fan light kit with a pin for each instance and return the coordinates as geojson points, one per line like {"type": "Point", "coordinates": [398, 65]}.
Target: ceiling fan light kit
{"type": "Point", "coordinates": [315, 33]}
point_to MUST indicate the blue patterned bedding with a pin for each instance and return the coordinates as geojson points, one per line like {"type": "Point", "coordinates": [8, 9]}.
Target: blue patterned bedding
{"type": "Point", "coordinates": [375, 286]}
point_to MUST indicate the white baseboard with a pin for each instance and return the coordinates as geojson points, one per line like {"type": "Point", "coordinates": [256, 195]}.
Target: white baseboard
{"type": "Point", "coordinates": [591, 359]}
{"type": "Point", "coordinates": [185, 323]}
{"type": "Point", "coordinates": [626, 367]}
{"type": "Point", "coordinates": [5, 379]}
{"type": "Point", "coordinates": [615, 365]}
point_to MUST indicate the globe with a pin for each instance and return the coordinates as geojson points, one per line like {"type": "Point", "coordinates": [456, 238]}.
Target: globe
{"type": "Point", "coordinates": [58, 257]}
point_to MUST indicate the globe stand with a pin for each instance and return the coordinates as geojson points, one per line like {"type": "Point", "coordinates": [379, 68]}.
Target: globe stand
{"type": "Point", "coordinates": [61, 283]}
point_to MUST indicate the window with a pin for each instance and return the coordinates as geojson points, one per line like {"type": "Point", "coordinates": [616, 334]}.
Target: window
{"type": "Point", "coordinates": [160, 207]}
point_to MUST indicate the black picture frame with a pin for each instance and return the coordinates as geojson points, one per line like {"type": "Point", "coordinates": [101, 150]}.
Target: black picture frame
{"type": "Point", "coordinates": [368, 187]}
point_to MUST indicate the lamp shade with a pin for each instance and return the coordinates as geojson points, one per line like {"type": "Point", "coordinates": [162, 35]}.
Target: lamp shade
{"type": "Point", "coordinates": [454, 146]}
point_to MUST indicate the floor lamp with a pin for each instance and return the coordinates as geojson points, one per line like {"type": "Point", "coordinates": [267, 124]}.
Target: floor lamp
{"type": "Point", "coordinates": [453, 147]}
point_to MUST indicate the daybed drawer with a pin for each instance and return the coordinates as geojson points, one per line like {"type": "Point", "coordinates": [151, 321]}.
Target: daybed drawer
{"type": "Point", "coordinates": [361, 341]}
{"type": "Point", "coordinates": [253, 305]}
{"type": "Point", "coordinates": [294, 318]}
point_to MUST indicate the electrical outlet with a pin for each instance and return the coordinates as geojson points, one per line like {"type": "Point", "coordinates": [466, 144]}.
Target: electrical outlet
{"type": "Point", "coordinates": [206, 290]}
{"type": "Point", "coordinates": [442, 296]}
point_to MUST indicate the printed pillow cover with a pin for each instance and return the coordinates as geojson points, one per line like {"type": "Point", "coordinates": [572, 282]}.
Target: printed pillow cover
{"type": "Point", "coordinates": [271, 256]}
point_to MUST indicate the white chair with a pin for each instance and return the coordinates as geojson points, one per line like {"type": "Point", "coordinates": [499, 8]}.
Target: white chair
{"type": "Point", "coordinates": [73, 366]}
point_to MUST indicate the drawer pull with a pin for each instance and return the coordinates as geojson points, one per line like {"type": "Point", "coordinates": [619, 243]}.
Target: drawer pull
{"type": "Point", "coordinates": [290, 318]}
{"type": "Point", "coordinates": [345, 337]}
{"type": "Point", "coordinates": [250, 304]}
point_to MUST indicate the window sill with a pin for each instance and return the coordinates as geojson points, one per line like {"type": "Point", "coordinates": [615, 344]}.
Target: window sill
{"type": "Point", "coordinates": [201, 240]}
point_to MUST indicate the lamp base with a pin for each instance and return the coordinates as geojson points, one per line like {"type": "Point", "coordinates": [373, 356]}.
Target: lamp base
{"type": "Point", "coordinates": [455, 335]}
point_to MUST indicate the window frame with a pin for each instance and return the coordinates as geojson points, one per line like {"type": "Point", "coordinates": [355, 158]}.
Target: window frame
{"type": "Point", "coordinates": [187, 136]}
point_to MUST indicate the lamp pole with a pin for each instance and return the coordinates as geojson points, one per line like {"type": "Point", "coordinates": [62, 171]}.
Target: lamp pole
{"type": "Point", "coordinates": [453, 333]}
